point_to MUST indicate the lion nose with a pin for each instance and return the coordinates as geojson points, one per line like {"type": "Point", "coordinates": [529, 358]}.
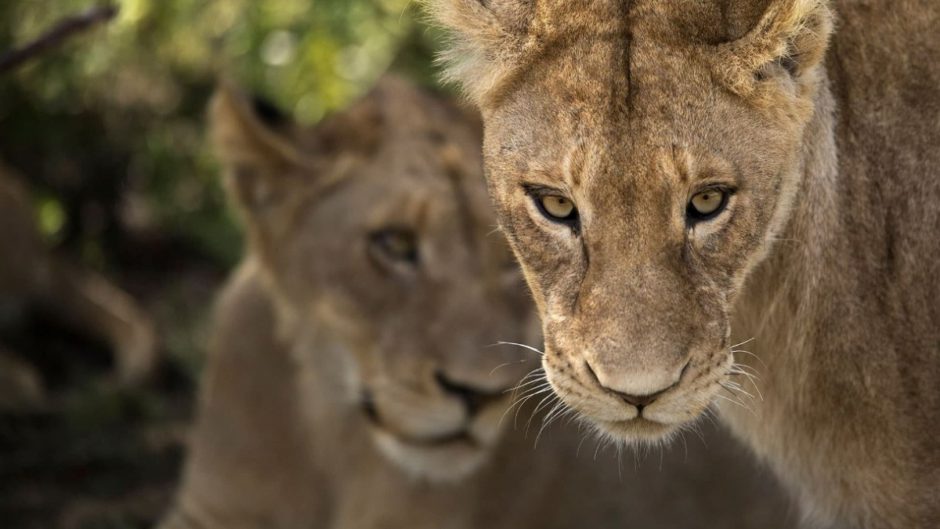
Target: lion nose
{"type": "Point", "coordinates": [632, 393]}
{"type": "Point", "coordinates": [473, 399]}
{"type": "Point", "coordinates": [640, 401]}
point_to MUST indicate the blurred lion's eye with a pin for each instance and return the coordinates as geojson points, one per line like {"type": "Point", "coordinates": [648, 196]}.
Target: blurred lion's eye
{"type": "Point", "coordinates": [395, 246]}
{"type": "Point", "coordinates": [707, 204]}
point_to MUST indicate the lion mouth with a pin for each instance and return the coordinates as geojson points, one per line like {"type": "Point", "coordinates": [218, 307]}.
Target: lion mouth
{"type": "Point", "coordinates": [447, 456]}
{"type": "Point", "coordinates": [477, 432]}
{"type": "Point", "coordinates": [459, 438]}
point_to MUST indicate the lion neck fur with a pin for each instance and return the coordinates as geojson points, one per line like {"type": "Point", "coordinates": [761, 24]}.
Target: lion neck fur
{"type": "Point", "coordinates": [859, 453]}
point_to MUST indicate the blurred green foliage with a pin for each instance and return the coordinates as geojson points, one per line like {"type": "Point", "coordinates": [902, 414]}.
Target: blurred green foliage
{"type": "Point", "coordinates": [109, 127]}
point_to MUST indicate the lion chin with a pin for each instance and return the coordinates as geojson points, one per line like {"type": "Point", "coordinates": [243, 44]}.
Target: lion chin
{"type": "Point", "coordinates": [638, 431]}
{"type": "Point", "coordinates": [444, 462]}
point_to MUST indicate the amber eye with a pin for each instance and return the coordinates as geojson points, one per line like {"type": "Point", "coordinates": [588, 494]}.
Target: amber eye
{"type": "Point", "coordinates": [707, 204]}
{"type": "Point", "coordinates": [394, 246]}
{"type": "Point", "coordinates": [557, 208]}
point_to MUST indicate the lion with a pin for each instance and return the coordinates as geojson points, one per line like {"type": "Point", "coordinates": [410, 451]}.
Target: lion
{"type": "Point", "coordinates": [725, 199]}
{"type": "Point", "coordinates": [354, 377]}
{"type": "Point", "coordinates": [32, 276]}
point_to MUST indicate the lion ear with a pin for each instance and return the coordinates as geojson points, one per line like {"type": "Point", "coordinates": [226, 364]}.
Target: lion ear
{"type": "Point", "coordinates": [789, 39]}
{"type": "Point", "coordinates": [255, 143]}
{"type": "Point", "coordinates": [486, 34]}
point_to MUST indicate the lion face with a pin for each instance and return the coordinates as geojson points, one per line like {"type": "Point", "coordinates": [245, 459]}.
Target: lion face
{"type": "Point", "coordinates": [377, 236]}
{"type": "Point", "coordinates": [642, 159]}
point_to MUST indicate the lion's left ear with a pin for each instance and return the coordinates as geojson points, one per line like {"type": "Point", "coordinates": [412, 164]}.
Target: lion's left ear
{"type": "Point", "coordinates": [485, 36]}
{"type": "Point", "coordinates": [790, 39]}
{"type": "Point", "coordinates": [255, 144]}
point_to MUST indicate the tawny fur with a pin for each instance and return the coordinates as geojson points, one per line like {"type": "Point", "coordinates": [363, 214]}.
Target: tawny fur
{"type": "Point", "coordinates": [308, 325]}
{"type": "Point", "coordinates": [824, 117]}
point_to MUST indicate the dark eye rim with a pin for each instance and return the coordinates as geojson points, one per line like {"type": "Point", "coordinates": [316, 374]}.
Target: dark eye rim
{"type": "Point", "coordinates": [379, 249]}
{"type": "Point", "coordinates": [536, 193]}
{"type": "Point", "coordinates": [693, 216]}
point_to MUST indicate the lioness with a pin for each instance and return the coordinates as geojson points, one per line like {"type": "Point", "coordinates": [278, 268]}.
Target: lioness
{"type": "Point", "coordinates": [30, 275]}
{"type": "Point", "coordinates": [351, 381]}
{"type": "Point", "coordinates": [680, 177]}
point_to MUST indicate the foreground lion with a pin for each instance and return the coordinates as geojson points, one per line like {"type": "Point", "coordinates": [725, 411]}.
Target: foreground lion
{"type": "Point", "coordinates": [680, 177]}
{"type": "Point", "coordinates": [349, 382]}
{"type": "Point", "coordinates": [30, 275]}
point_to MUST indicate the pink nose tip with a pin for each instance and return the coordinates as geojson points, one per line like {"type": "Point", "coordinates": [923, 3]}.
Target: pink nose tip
{"type": "Point", "coordinates": [640, 401]}
{"type": "Point", "coordinates": [635, 398]}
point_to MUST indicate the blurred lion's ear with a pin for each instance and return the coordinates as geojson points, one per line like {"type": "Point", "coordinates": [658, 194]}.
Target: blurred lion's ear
{"type": "Point", "coordinates": [255, 143]}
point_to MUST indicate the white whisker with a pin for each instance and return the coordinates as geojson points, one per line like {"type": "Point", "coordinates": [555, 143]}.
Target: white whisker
{"type": "Point", "coordinates": [752, 378]}
{"type": "Point", "coordinates": [522, 345]}
{"type": "Point", "coordinates": [549, 417]}
{"type": "Point", "coordinates": [733, 401]}
{"type": "Point", "coordinates": [541, 380]}
{"type": "Point", "coordinates": [759, 359]}
{"type": "Point", "coordinates": [735, 387]}
{"type": "Point", "coordinates": [546, 401]}
{"type": "Point", "coordinates": [500, 366]}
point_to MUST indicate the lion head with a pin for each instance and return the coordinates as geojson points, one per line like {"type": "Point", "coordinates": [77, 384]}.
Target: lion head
{"type": "Point", "coordinates": [642, 157]}
{"type": "Point", "coordinates": [376, 236]}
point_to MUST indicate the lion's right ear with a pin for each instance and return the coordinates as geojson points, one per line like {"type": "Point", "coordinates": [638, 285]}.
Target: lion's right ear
{"type": "Point", "coordinates": [789, 42]}
{"type": "Point", "coordinates": [486, 37]}
{"type": "Point", "coordinates": [255, 144]}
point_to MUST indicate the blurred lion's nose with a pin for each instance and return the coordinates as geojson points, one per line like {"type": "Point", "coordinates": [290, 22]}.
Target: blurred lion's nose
{"type": "Point", "coordinates": [367, 403]}
{"type": "Point", "coordinates": [474, 399]}
{"type": "Point", "coordinates": [640, 390]}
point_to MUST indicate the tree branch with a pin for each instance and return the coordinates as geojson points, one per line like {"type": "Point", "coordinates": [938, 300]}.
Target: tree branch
{"type": "Point", "coordinates": [55, 36]}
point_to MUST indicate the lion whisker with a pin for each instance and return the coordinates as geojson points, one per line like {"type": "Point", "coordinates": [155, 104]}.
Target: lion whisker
{"type": "Point", "coordinates": [522, 345]}
{"type": "Point", "coordinates": [736, 402]}
{"type": "Point", "coordinates": [546, 401]}
{"type": "Point", "coordinates": [516, 388]}
{"type": "Point", "coordinates": [500, 366]}
{"type": "Point", "coordinates": [752, 378]}
{"type": "Point", "coordinates": [745, 342]}
{"type": "Point", "coordinates": [759, 359]}
{"type": "Point", "coordinates": [549, 418]}
{"type": "Point", "coordinates": [519, 402]}
{"type": "Point", "coordinates": [735, 387]}
{"type": "Point", "coordinates": [515, 420]}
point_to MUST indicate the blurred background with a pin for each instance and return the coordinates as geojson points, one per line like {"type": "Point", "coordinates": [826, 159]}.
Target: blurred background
{"type": "Point", "coordinates": [106, 133]}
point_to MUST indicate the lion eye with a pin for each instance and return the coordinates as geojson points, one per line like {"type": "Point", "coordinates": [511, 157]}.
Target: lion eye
{"type": "Point", "coordinates": [557, 207]}
{"type": "Point", "coordinates": [395, 245]}
{"type": "Point", "coordinates": [707, 204]}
